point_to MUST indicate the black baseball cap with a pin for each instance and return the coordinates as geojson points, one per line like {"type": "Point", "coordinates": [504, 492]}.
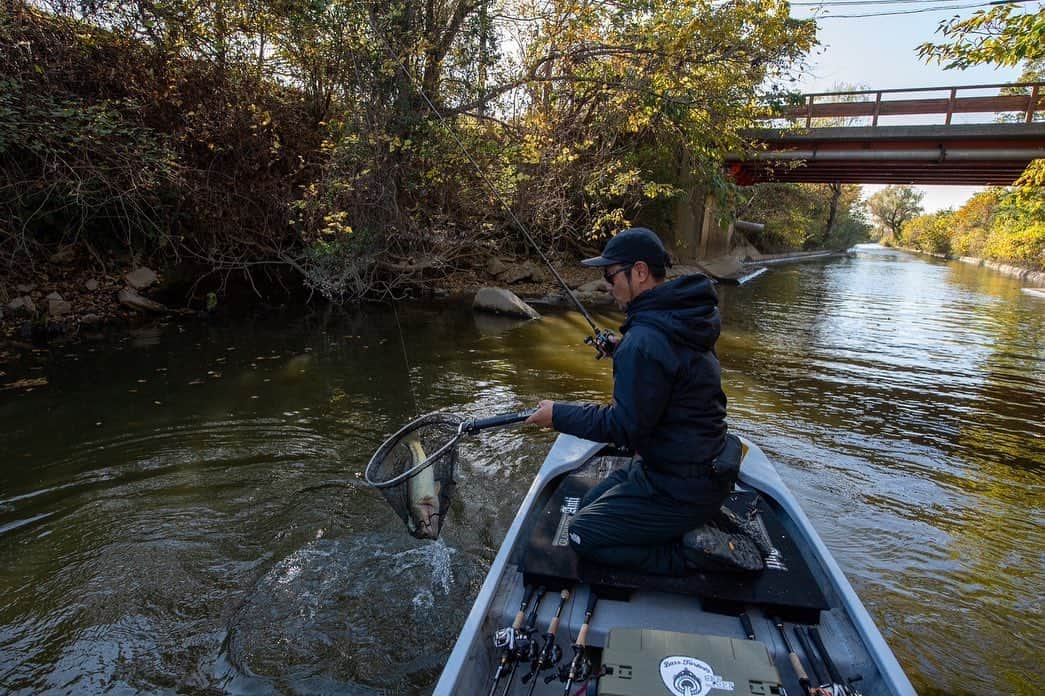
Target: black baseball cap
{"type": "Point", "coordinates": [631, 245]}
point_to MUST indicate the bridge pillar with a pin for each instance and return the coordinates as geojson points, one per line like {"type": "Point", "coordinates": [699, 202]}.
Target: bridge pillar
{"type": "Point", "coordinates": [715, 236]}
{"type": "Point", "coordinates": [696, 232]}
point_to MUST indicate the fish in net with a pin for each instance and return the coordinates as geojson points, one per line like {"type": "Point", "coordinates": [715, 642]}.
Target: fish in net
{"type": "Point", "coordinates": [414, 468]}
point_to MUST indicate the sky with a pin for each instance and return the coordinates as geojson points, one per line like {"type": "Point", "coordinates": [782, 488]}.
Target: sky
{"type": "Point", "coordinates": [879, 53]}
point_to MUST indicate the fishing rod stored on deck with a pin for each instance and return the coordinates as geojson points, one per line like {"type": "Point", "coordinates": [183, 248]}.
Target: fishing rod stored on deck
{"type": "Point", "coordinates": [803, 638]}
{"type": "Point", "coordinates": [515, 641]}
{"type": "Point", "coordinates": [579, 669]}
{"type": "Point", "coordinates": [745, 622]}
{"type": "Point", "coordinates": [792, 656]}
{"type": "Point", "coordinates": [846, 685]}
{"type": "Point", "coordinates": [550, 652]}
{"type": "Point", "coordinates": [414, 468]}
{"type": "Point", "coordinates": [796, 665]}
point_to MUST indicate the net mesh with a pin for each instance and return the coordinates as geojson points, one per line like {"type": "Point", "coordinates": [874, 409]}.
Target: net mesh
{"type": "Point", "coordinates": [414, 471]}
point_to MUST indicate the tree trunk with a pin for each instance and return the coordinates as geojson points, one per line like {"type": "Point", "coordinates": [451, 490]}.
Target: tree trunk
{"type": "Point", "coordinates": [836, 194]}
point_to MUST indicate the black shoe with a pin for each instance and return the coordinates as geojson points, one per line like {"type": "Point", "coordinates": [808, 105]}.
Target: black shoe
{"type": "Point", "coordinates": [751, 527]}
{"type": "Point", "coordinates": [708, 548]}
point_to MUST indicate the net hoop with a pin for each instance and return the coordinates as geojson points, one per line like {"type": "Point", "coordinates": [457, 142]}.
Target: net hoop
{"type": "Point", "coordinates": [386, 447]}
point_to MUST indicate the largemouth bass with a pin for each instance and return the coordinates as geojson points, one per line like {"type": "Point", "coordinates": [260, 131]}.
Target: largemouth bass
{"type": "Point", "coordinates": [423, 493]}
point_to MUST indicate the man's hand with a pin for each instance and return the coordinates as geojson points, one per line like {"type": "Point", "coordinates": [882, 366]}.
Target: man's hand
{"type": "Point", "coordinates": [543, 415]}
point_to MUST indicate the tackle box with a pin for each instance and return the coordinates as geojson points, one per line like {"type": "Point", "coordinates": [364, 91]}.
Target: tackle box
{"type": "Point", "coordinates": [646, 662]}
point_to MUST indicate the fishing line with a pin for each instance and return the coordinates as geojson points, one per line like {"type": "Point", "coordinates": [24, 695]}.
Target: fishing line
{"type": "Point", "coordinates": [482, 175]}
{"type": "Point", "coordinates": [406, 360]}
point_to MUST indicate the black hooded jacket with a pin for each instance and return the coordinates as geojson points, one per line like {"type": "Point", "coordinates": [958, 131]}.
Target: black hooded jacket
{"type": "Point", "coordinates": [668, 404]}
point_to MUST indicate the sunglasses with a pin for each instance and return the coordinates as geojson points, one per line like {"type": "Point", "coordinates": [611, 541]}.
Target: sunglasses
{"type": "Point", "coordinates": [608, 277]}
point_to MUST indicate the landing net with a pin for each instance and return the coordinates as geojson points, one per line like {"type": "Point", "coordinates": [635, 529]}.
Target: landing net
{"type": "Point", "coordinates": [414, 471]}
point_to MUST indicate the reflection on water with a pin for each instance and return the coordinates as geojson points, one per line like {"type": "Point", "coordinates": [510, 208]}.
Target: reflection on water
{"type": "Point", "coordinates": [182, 509]}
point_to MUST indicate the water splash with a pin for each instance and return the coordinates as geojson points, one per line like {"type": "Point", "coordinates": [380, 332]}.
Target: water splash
{"type": "Point", "coordinates": [352, 607]}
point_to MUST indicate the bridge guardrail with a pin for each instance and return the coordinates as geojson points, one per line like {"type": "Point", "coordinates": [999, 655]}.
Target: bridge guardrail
{"type": "Point", "coordinates": [953, 103]}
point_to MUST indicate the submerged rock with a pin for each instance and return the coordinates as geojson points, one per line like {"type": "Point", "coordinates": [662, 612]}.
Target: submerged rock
{"type": "Point", "coordinates": [129, 298]}
{"type": "Point", "coordinates": [22, 305]}
{"type": "Point", "coordinates": [501, 301]}
{"type": "Point", "coordinates": [141, 278]}
{"type": "Point", "coordinates": [56, 306]}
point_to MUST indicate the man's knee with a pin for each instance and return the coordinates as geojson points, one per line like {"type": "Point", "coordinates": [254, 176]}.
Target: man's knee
{"type": "Point", "coordinates": [583, 536]}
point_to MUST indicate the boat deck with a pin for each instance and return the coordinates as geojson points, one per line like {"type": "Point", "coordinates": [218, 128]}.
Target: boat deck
{"type": "Point", "coordinates": [705, 607]}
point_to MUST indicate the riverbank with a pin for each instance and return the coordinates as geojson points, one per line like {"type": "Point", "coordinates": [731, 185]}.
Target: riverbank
{"type": "Point", "coordinates": [1036, 278]}
{"type": "Point", "coordinates": [67, 298]}
{"type": "Point", "coordinates": [1028, 275]}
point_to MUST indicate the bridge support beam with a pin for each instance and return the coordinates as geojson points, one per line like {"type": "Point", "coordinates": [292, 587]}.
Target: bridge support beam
{"type": "Point", "coordinates": [697, 233]}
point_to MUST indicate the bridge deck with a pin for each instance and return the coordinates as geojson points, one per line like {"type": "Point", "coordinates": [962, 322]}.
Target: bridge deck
{"type": "Point", "coordinates": [983, 153]}
{"type": "Point", "coordinates": [979, 154]}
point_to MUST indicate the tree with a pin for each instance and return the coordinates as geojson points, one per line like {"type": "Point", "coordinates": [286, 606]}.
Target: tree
{"type": "Point", "coordinates": [1001, 36]}
{"type": "Point", "coordinates": [972, 222]}
{"type": "Point", "coordinates": [805, 216]}
{"type": "Point", "coordinates": [929, 233]}
{"type": "Point", "coordinates": [998, 36]}
{"type": "Point", "coordinates": [893, 206]}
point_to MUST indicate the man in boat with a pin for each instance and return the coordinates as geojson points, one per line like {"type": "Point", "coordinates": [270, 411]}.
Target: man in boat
{"type": "Point", "coordinates": [668, 407]}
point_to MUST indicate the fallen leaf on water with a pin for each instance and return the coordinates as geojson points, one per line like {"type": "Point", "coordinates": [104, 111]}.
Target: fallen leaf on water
{"type": "Point", "coordinates": [26, 383]}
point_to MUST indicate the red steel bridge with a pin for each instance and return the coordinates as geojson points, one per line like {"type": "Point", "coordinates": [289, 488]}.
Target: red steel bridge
{"type": "Point", "coordinates": [839, 137]}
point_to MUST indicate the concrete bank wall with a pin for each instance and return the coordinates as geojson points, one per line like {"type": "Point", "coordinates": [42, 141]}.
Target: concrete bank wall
{"type": "Point", "coordinates": [1025, 274]}
{"type": "Point", "coordinates": [1036, 278]}
{"type": "Point", "coordinates": [792, 257]}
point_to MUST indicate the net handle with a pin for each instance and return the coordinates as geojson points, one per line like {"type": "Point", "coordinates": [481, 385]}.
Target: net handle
{"type": "Point", "coordinates": [477, 424]}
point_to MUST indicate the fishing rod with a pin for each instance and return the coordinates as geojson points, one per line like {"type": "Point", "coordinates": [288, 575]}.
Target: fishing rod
{"type": "Point", "coordinates": [803, 638]}
{"type": "Point", "coordinates": [508, 638]}
{"type": "Point", "coordinates": [603, 341]}
{"type": "Point", "coordinates": [745, 621]}
{"type": "Point", "coordinates": [550, 652]}
{"type": "Point", "coordinates": [796, 664]}
{"type": "Point", "coordinates": [526, 648]}
{"type": "Point", "coordinates": [580, 667]}
{"type": "Point", "coordinates": [832, 669]}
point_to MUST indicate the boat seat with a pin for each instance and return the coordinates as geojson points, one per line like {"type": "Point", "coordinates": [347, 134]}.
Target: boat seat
{"type": "Point", "coordinates": [786, 586]}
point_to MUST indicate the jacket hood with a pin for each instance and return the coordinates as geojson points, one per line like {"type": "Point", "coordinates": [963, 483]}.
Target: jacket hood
{"type": "Point", "coordinates": [684, 309]}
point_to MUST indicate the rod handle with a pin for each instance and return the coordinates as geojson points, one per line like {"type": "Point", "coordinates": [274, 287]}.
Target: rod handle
{"type": "Point", "coordinates": [796, 665]}
{"type": "Point", "coordinates": [520, 616]}
{"type": "Point", "coordinates": [477, 424]}
{"type": "Point", "coordinates": [582, 636]}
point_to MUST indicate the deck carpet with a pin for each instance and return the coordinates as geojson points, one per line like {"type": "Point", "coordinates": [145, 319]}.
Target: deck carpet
{"type": "Point", "coordinates": [786, 586]}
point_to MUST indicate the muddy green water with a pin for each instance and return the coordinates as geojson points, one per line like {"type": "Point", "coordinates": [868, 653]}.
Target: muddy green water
{"type": "Point", "coordinates": [181, 510]}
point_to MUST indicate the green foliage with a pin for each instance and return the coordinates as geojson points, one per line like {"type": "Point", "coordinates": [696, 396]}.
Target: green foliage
{"type": "Point", "coordinates": [798, 216]}
{"type": "Point", "coordinates": [1002, 225]}
{"type": "Point", "coordinates": [73, 168]}
{"type": "Point", "coordinates": [972, 223]}
{"type": "Point", "coordinates": [1017, 232]}
{"type": "Point", "coordinates": [271, 134]}
{"type": "Point", "coordinates": [999, 36]}
{"type": "Point", "coordinates": [893, 206]}
{"type": "Point", "coordinates": [999, 224]}
{"type": "Point", "coordinates": [928, 233]}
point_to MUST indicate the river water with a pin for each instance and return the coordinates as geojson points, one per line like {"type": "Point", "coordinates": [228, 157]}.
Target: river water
{"type": "Point", "coordinates": [181, 509]}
